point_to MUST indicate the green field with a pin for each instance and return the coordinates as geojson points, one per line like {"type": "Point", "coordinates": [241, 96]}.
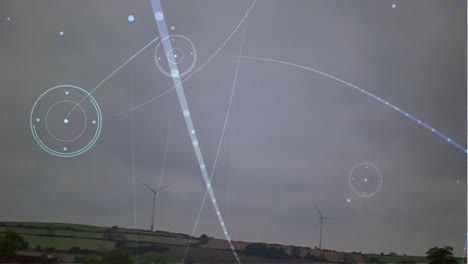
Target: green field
{"type": "Point", "coordinates": [153, 246]}
{"type": "Point", "coordinates": [400, 259]}
{"type": "Point", "coordinates": [38, 232]}
{"type": "Point", "coordinates": [65, 244]}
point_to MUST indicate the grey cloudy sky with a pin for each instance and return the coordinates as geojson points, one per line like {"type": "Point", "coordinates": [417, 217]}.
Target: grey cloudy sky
{"type": "Point", "coordinates": [292, 137]}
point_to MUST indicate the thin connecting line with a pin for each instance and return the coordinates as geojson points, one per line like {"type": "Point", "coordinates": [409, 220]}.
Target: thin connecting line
{"type": "Point", "coordinates": [163, 167]}
{"type": "Point", "coordinates": [196, 70]}
{"type": "Point", "coordinates": [220, 140]}
{"type": "Point", "coordinates": [133, 168]}
{"type": "Point", "coordinates": [113, 73]}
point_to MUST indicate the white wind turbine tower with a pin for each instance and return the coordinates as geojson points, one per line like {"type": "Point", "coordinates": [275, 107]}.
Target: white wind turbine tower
{"type": "Point", "coordinates": [321, 224]}
{"type": "Point", "coordinates": [155, 193]}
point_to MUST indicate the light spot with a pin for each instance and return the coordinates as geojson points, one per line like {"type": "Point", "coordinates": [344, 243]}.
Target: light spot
{"type": "Point", "coordinates": [131, 18]}
{"type": "Point", "coordinates": [175, 73]}
{"type": "Point", "coordinates": [159, 16]}
{"type": "Point", "coordinates": [394, 6]}
{"type": "Point", "coordinates": [65, 121]}
{"type": "Point", "coordinates": [61, 33]}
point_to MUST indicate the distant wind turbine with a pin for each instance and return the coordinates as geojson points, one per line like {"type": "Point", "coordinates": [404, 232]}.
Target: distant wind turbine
{"type": "Point", "coordinates": [321, 224]}
{"type": "Point", "coordinates": [155, 193]}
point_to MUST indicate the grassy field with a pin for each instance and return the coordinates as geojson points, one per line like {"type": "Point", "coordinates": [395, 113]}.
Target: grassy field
{"type": "Point", "coordinates": [400, 259]}
{"type": "Point", "coordinates": [65, 244]}
{"type": "Point", "coordinates": [90, 237]}
{"type": "Point", "coordinates": [162, 246]}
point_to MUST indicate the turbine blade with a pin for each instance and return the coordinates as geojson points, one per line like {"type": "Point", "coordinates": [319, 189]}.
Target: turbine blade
{"type": "Point", "coordinates": [162, 187]}
{"type": "Point", "coordinates": [147, 186]}
{"type": "Point", "coordinates": [320, 213]}
{"type": "Point", "coordinates": [334, 217]}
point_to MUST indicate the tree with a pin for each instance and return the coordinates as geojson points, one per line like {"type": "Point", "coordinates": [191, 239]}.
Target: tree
{"type": "Point", "coordinates": [296, 252]}
{"type": "Point", "coordinates": [442, 255]}
{"type": "Point", "coordinates": [261, 250]}
{"type": "Point", "coordinates": [113, 234]}
{"type": "Point", "coordinates": [117, 256]}
{"type": "Point", "coordinates": [10, 243]}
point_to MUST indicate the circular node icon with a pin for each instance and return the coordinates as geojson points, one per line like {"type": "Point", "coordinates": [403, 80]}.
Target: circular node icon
{"type": "Point", "coordinates": [365, 180]}
{"type": "Point", "coordinates": [65, 121]}
{"type": "Point", "coordinates": [179, 60]}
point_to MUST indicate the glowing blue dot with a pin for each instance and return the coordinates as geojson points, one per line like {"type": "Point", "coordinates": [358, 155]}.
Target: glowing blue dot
{"type": "Point", "coordinates": [172, 28]}
{"type": "Point", "coordinates": [193, 131]}
{"type": "Point", "coordinates": [448, 139]}
{"type": "Point", "coordinates": [159, 16]}
{"type": "Point", "coordinates": [432, 130]}
{"type": "Point", "coordinates": [61, 33]}
{"type": "Point", "coordinates": [175, 73]}
{"type": "Point", "coordinates": [394, 6]}
{"type": "Point", "coordinates": [365, 180]}
{"type": "Point", "coordinates": [348, 200]}
{"type": "Point", "coordinates": [131, 18]}
{"type": "Point", "coordinates": [65, 121]}
{"type": "Point", "coordinates": [8, 18]}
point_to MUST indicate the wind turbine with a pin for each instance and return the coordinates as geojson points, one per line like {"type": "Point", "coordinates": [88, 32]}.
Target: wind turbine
{"type": "Point", "coordinates": [155, 193]}
{"type": "Point", "coordinates": [321, 223]}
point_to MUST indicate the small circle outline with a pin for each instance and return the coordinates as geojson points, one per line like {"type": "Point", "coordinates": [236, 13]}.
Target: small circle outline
{"type": "Point", "coordinates": [378, 187]}
{"type": "Point", "coordinates": [62, 140]}
{"type": "Point", "coordinates": [180, 74]}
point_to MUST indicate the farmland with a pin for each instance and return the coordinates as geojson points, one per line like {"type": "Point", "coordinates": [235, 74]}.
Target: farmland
{"type": "Point", "coordinates": [67, 241]}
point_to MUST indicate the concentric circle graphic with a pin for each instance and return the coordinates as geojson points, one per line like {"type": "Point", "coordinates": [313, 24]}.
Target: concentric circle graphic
{"type": "Point", "coordinates": [66, 121]}
{"type": "Point", "coordinates": [365, 180]}
{"type": "Point", "coordinates": [182, 55]}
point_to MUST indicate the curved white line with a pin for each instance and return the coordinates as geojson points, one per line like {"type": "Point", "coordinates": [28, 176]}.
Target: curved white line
{"type": "Point", "coordinates": [196, 70]}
